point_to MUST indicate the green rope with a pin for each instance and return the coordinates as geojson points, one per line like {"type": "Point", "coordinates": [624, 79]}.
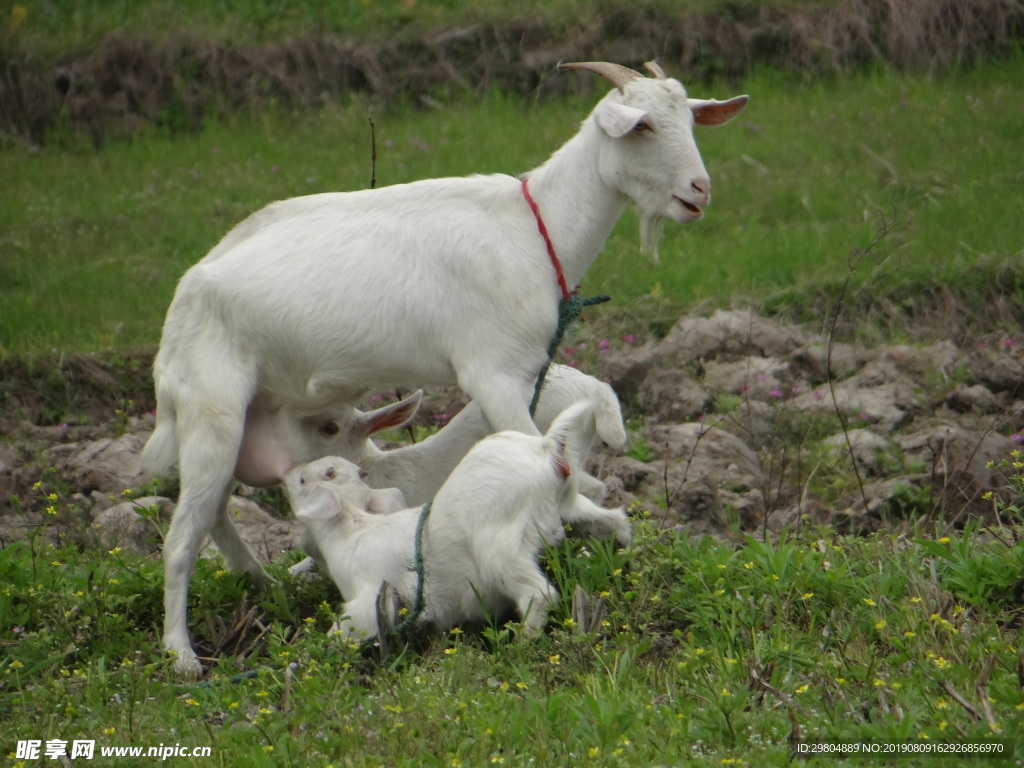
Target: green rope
{"type": "Point", "coordinates": [420, 568]}
{"type": "Point", "coordinates": [569, 309]}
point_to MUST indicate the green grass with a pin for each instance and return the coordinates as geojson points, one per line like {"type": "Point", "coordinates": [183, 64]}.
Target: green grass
{"type": "Point", "coordinates": [93, 242]}
{"type": "Point", "coordinates": [708, 654]}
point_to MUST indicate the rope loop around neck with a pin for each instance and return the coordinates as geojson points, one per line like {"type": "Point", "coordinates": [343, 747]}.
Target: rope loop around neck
{"type": "Point", "coordinates": [547, 241]}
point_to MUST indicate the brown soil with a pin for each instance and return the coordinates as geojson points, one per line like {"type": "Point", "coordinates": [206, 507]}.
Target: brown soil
{"type": "Point", "coordinates": [743, 425]}
{"type": "Point", "coordinates": [128, 83]}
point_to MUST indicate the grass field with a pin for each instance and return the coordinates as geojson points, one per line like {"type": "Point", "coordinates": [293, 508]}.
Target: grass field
{"type": "Point", "coordinates": [93, 242]}
{"type": "Point", "coordinates": [707, 655]}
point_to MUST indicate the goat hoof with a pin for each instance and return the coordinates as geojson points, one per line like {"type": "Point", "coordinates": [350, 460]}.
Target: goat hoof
{"type": "Point", "coordinates": [187, 664]}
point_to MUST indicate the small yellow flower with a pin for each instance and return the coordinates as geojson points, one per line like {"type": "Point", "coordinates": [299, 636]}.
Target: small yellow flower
{"type": "Point", "coordinates": [15, 664]}
{"type": "Point", "coordinates": [727, 660]}
{"type": "Point", "coordinates": [880, 624]}
{"type": "Point", "coordinates": [878, 682]}
{"type": "Point", "coordinates": [725, 692]}
{"type": "Point", "coordinates": [593, 752]}
{"type": "Point", "coordinates": [234, 705]}
{"type": "Point", "coordinates": [748, 565]}
{"type": "Point", "coordinates": [915, 599]}
{"type": "Point", "coordinates": [840, 680]}
{"type": "Point", "coordinates": [908, 633]}
{"type": "Point", "coordinates": [221, 573]}
{"type": "Point", "coordinates": [58, 563]}
{"type": "Point", "coordinates": [869, 601]}
{"type": "Point", "coordinates": [721, 566]}
{"type": "Point", "coordinates": [522, 686]}
{"type": "Point", "coordinates": [451, 651]}
{"type": "Point", "coordinates": [192, 702]}
{"type": "Point", "coordinates": [37, 485]}
{"type": "Point", "coordinates": [114, 551]}
{"type": "Point", "coordinates": [555, 659]}
{"type": "Point", "coordinates": [51, 510]}
{"type": "Point", "coordinates": [803, 688]}
{"type": "Point", "coordinates": [113, 581]}
{"type": "Point", "coordinates": [109, 731]}
{"type": "Point", "coordinates": [944, 539]}
{"type": "Point", "coordinates": [568, 622]}
{"type": "Point", "coordinates": [807, 596]}
{"type": "Point", "coordinates": [53, 497]}
{"type": "Point", "coordinates": [268, 748]}
{"type": "Point", "coordinates": [456, 630]}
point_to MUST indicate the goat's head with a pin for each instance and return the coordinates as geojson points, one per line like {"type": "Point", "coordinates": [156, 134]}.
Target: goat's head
{"type": "Point", "coordinates": [650, 154]}
{"type": "Point", "coordinates": [345, 431]}
{"type": "Point", "coordinates": [323, 489]}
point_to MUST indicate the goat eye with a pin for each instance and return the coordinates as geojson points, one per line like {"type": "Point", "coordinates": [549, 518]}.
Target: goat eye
{"type": "Point", "coordinates": [643, 125]}
{"type": "Point", "coordinates": [329, 429]}
{"type": "Point", "coordinates": [329, 473]}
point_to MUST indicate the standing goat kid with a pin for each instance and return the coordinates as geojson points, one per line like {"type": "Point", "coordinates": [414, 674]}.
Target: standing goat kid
{"type": "Point", "coordinates": [316, 301]}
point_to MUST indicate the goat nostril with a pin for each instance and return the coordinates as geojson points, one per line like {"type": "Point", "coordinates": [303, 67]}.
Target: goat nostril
{"type": "Point", "coordinates": [701, 187]}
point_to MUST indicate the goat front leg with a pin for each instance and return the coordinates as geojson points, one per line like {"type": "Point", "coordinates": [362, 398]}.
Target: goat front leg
{"type": "Point", "coordinates": [504, 399]}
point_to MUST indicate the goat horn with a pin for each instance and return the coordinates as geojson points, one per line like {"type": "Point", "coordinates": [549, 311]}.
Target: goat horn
{"type": "Point", "coordinates": [617, 74]}
{"type": "Point", "coordinates": [654, 69]}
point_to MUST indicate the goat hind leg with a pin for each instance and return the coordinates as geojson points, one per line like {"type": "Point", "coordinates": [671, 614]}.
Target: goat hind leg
{"type": "Point", "coordinates": [207, 465]}
{"type": "Point", "coordinates": [588, 519]}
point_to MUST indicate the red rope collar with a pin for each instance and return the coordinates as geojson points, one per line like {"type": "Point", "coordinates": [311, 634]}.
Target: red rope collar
{"type": "Point", "coordinates": [547, 241]}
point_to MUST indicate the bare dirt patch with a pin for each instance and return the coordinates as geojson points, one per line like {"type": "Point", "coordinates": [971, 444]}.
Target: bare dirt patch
{"type": "Point", "coordinates": [741, 425]}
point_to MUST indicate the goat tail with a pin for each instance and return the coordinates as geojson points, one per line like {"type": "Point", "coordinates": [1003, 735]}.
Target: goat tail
{"type": "Point", "coordinates": [161, 450]}
{"type": "Point", "coordinates": [608, 418]}
{"type": "Point", "coordinates": [567, 433]}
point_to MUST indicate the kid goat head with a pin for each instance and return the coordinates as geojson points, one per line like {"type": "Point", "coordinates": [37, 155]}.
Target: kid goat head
{"type": "Point", "coordinates": [312, 303]}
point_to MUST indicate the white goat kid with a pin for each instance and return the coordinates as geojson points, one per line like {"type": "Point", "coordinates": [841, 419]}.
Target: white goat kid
{"type": "Point", "coordinates": [417, 471]}
{"type": "Point", "coordinates": [314, 302]}
{"type": "Point", "coordinates": [487, 526]}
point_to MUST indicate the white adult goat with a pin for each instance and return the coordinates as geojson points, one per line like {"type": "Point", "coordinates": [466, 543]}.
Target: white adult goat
{"type": "Point", "coordinates": [316, 301]}
{"type": "Point", "coordinates": [488, 524]}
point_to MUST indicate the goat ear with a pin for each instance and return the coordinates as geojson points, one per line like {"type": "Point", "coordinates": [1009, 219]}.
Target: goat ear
{"type": "Point", "coordinates": [318, 506]}
{"type": "Point", "coordinates": [617, 119]}
{"type": "Point", "coordinates": [712, 112]}
{"type": "Point", "coordinates": [384, 501]}
{"type": "Point", "coordinates": [390, 416]}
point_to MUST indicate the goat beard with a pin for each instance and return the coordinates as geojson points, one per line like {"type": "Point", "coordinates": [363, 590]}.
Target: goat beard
{"type": "Point", "coordinates": [651, 227]}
